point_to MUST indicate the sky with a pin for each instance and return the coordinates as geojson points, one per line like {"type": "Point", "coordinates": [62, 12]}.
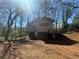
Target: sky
{"type": "Point", "coordinates": [24, 4]}
{"type": "Point", "coordinates": [29, 5]}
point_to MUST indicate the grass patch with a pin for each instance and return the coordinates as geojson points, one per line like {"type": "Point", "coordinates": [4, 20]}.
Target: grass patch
{"type": "Point", "coordinates": [2, 38]}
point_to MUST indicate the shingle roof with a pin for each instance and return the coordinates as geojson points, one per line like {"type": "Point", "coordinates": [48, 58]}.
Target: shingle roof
{"type": "Point", "coordinates": [41, 18]}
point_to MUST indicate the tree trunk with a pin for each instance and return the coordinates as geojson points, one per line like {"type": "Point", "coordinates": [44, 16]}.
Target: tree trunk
{"type": "Point", "coordinates": [7, 34]}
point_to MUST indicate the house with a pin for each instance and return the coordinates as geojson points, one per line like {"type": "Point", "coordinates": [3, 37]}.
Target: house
{"type": "Point", "coordinates": [41, 26]}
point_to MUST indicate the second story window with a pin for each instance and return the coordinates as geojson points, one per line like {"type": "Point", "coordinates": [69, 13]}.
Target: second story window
{"type": "Point", "coordinates": [44, 24]}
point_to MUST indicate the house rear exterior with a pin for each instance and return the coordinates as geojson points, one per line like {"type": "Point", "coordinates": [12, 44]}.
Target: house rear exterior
{"type": "Point", "coordinates": [41, 26]}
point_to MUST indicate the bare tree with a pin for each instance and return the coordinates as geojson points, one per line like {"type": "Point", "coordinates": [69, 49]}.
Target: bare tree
{"type": "Point", "coordinates": [11, 13]}
{"type": "Point", "coordinates": [68, 10]}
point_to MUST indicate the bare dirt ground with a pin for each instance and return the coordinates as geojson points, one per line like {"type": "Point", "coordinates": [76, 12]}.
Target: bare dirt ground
{"type": "Point", "coordinates": [37, 49]}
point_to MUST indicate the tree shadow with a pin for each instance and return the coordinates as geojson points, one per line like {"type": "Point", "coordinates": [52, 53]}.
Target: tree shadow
{"type": "Point", "coordinates": [9, 52]}
{"type": "Point", "coordinates": [57, 39]}
{"type": "Point", "coordinates": [4, 51]}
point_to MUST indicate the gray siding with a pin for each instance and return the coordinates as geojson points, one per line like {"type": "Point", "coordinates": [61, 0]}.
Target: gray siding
{"type": "Point", "coordinates": [41, 25]}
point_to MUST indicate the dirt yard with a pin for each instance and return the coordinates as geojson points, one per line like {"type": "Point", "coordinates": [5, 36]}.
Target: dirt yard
{"type": "Point", "coordinates": [38, 49]}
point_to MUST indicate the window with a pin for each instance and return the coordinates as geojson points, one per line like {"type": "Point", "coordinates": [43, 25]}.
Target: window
{"type": "Point", "coordinates": [44, 24]}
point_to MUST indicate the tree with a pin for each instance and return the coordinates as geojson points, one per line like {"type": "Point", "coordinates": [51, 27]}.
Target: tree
{"type": "Point", "coordinates": [11, 13]}
{"type": "Point", "coordinates": [55, 11]}
{"type": "Point", "coordinates": [67, 16]}
{"type": "Point", "coordinates": [76, 20]}
{"type": "Point", "coordinates": [44, 6]}
{"type": "Point", "coordinates": [68, 11]}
